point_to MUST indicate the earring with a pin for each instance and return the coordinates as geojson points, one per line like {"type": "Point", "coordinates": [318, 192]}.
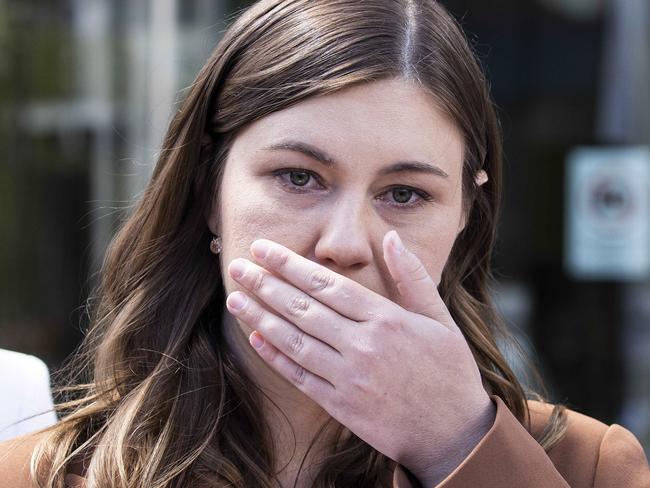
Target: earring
{"type": "Point", "coordinates": [215, 245]}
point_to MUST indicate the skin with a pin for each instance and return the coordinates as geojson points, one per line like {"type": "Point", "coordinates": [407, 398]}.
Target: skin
{"type": "Point", "coordinates": [375, 348]}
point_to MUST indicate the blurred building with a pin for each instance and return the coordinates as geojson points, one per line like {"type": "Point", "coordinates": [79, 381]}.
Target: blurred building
{"type": "Point", "coordinates": [87, 88]}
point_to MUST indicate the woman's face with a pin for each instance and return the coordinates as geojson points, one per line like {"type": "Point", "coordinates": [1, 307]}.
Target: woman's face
{"type": "Point", "coordinates": [329, 176]}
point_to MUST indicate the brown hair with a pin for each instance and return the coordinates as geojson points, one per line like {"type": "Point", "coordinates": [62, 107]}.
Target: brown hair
{"type": "Point", "coordinates": [156, 399]}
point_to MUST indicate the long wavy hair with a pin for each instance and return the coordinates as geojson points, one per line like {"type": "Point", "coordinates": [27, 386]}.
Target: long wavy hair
{"type": "Point", "coordinates": [153, 398]}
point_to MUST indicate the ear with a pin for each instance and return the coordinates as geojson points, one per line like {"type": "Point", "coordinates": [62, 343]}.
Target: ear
{"type": "Point", "coordinates": [480, 179]}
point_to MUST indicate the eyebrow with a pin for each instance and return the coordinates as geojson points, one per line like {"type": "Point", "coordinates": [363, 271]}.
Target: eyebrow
{"type": "Point", "coordinates": [322, 157]}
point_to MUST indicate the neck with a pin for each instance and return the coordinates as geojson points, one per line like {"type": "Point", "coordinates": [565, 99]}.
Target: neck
{"type": "Point", "coordinates": [286, 409]}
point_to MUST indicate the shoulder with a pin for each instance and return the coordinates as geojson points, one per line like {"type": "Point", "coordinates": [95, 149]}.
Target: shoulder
{"type": "Point", "coordinates": [592, 453]}
{"type": "Point", "coordinates": [583, 430]}
{"type": "Point", "coordinates": [15, 459]}
{"type": "Point", "coordinates": [27, 404]}
{"type": "Point", "coordinates": [23, 366]}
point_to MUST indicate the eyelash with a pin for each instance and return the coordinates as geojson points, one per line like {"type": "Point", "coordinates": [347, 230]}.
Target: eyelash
{"type": "Point", "coordinates": [425, 197]}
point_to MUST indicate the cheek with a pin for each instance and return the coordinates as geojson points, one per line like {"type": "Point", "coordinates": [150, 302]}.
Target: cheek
{"type": "Point", "coordinates": [434, 258]}
{"type": "Point", "coordinates": [444, 258]}
{"type": "Point", "coordinates": [436, 245]}
{"type": "Point", "coordinates": [254, 216]}
{"type": "Point", "coordinates": [248, 214]}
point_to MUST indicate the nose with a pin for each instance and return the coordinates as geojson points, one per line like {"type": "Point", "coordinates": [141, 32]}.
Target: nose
{"type": "Point", "coordinates": [346, 238]}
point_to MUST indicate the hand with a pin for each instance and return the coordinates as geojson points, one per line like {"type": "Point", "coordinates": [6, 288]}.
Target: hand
{"type": "Point", "coordinates": [401, 377]}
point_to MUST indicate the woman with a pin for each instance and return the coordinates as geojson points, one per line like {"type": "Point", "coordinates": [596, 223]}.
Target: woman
{"type": "Point", "coordinates": [325, 132]}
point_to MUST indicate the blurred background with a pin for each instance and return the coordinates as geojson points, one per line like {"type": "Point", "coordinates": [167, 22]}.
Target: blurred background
{"type": "Point", "coordinates": [87, 88]}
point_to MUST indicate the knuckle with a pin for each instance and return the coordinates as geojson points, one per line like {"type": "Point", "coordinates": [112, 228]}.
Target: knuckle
{"type": "Point", "coordinates": [320, 280]}
{"type": "Point", "coordinates": [299, 375]}
{"type": "Point", "coordinates": [259, 281]}
{"type": "Point", "coordinates": [341, 403]}
{"type": "Point", "coordinates": [365, 347]}
{"type": "Point", "coordinates": [390, 321]}
{"type": "Point", "coordinates": [255, 316]}
{"type": "Point", "coordinates": [298, 306]}
{"type": "Point", "coordinates": [395, 325]}
{"type": "Point", "coordinates": [416, 267]}
{"type": "Point", "coordinates": [347, 402]}
{"type": "Point", "coordinates": [272, 326]}
{"type": "Point", "coordinates": [280, 260]}
{"type": "Point", "coordinates": [295, 343]}
{"type": "Point", "coordinates": [272, 355]}
{"type": "Point", "coordinates": [360, 385]}
{"type": "Point", "coordinates": [420, 273]}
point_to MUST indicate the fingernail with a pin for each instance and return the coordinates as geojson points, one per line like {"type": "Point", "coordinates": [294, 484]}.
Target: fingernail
{"type": "Point", "coordinates": [397, 242]}
{"type": "Point", "coordinates": [256, 340]}
{"type": "Point", "coordinates": [260, 249]}
{"type": "Point", "coordinates": [236, 301]}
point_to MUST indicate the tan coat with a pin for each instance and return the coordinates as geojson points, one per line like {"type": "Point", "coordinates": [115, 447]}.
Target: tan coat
{"type": "Point", "coordinates": [591, 454]}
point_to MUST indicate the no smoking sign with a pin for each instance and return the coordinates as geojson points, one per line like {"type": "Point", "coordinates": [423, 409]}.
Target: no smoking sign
{"type": "Point", "coordinates": [607, 213]}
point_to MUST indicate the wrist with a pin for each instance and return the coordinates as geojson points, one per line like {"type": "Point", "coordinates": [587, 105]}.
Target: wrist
{"type": "Point", "coordinates": [459, 449]}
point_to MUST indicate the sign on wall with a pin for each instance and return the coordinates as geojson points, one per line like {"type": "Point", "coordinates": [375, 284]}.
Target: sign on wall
{"type": "Point", "coordinates": [607, 213]}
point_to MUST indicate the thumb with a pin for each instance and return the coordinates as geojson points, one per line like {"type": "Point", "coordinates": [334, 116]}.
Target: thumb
{"type": "Point", "coordinates": [418, 291]}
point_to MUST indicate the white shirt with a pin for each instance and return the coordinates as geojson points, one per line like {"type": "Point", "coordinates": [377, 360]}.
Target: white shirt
{"type": "Point", "coordinates": [24, 391]}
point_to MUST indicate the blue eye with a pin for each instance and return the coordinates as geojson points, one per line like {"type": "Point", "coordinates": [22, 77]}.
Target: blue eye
{"type": "Point", "coordinates": [299, 177]}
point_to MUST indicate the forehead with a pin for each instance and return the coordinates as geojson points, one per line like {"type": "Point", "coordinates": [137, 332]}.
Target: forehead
{"type": "Point", "coordinates": [378, 122]}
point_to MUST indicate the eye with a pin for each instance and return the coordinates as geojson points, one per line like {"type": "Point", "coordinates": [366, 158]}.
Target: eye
{"type": "Point", "coordinates": [404, 193]}
{"type": "Point", "coordinates": [299, 178]}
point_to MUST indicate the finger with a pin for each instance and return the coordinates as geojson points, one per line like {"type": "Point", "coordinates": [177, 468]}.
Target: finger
{"type": "Point", "coordinates": [303, 349]}
{"type": "Point", "coordinates": [343, 295]}
{"type": "Point", "coordinates": [315, 387]}
{"type": "Point", "coordinates": [300, 309]}
{"type": "Point", "coordinates": [418, 291]}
